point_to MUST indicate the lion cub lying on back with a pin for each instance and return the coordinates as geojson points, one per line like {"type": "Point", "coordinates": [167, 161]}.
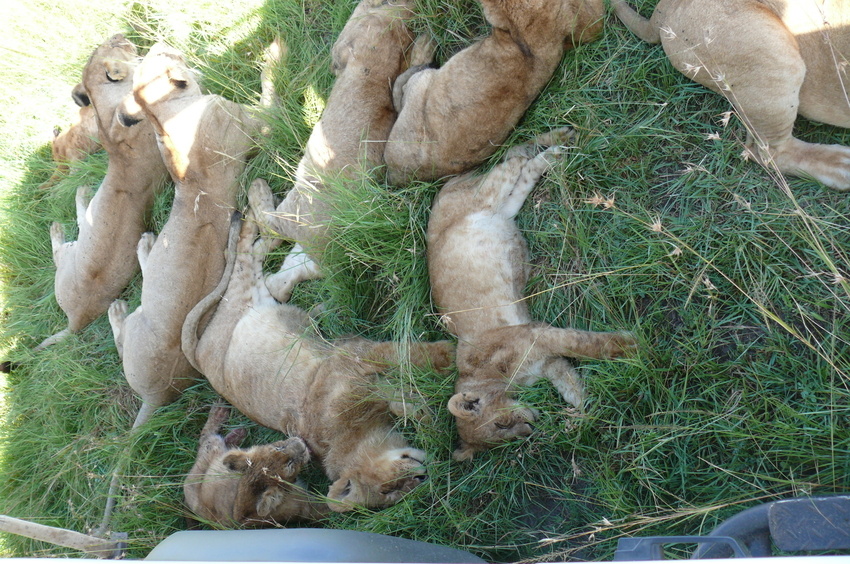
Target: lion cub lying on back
{"type": "Point", "coordinates": [255, 487]}
{"type": "Point", "coordinates": [478, 264]}
{"type": "Point", "coordinates": [772, 59]}
{"type": "Point", "coordinates": [269, 361]}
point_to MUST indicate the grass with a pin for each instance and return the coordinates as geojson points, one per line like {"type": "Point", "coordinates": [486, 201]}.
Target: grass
{"type": "Point", "coordinates": [734, 278]}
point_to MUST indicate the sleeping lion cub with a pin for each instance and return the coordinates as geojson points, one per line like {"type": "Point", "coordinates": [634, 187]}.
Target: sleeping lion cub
{"type": "Point", "coordinates": [773, 59]}
{"type": "Point", "coordinates": [270, 362]}
{"type": "Point", "coordinates": [478, 264]}
{"type": "Point", "coordinates": [93, 270]}
{"type": "Point", "coordinates": [348, 141]}
{"type": "Point", "coordinates": [452, 118]}
{"type": "Point", "coordinates": [255, 487]}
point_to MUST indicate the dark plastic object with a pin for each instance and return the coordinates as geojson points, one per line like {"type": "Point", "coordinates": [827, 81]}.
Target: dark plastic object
{"type": "Point", "coordinates": [649, 548]}
{"type": "Point", "coordinates": [749, 527]}
{"type": "Point", "coordinates": [800, 524]}
{"type": "Point", "coordinates": [810, 523]}
{"type": "Point", "coordinates": [302, 545]}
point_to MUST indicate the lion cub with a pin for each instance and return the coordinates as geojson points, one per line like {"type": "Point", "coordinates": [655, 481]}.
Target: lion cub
{"type": "Point", "coordinates": [772, 60]}
{"type": "Point", "coordinates": [478, 264]}
{"type": "Point", "coordinates": [348, 141]}
{"type": "Point", "coordinates": [452, 118]}
{"type": "Point", "coordinates": [255, 487]}
{"type": "Point", "coordinates": [205, 141]}
{"type": "Point", "coordinates": [93, 270]}
{"type": "Point", "coordinates": [270, 362]}
{"type": "Point", "coordinates": [76, 142]}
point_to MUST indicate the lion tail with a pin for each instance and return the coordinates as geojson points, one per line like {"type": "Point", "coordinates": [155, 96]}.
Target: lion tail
{"type": "Point", "coordinates": [636, 23]}
{"type": "Point", "coordinates": [53, 339]}
{"type": "Point", "coordinates": [189, 337]}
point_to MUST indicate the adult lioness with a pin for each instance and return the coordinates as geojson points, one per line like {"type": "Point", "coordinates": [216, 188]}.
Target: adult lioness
{"type": "Point", "coordinates": [268, 360]}
{"type": "Point", "coordinates": [773, 59]}
{"type": "Point", "coordinates": [451, 119]}
{"type": "Point", "coordinates": [348, 141]}
{"type": "Point", "coordinates": [93, 270]}
{"type": "Point", "coordinates": [254, 487]}
{"type": "Point", "coordinates": [478, 264]}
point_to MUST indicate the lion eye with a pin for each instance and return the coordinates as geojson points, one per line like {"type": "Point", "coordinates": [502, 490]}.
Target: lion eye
{"type": "Point", "coordinates": [503, 426]}
{"type": "Point", "coordinates": [110, 79]}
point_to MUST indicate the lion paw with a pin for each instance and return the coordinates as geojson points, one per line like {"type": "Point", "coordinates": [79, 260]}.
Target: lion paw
{"type": "Point", "coordinates": [280, 286]}
{"type": "Point", "coordinates": [422, 51]}
{"type": "Point", "coordinates": [234, 438]}
{"type": "Point", "coordinates": [57, 237]}
{"type": "Point", "coordinates": [143, 249]}
{"type": "Point", "coordinates": [117, 313]}
{"type": "Point", "coordinates": [218, 415]}
{"type": "Point", "coordinates": [260, 198]}
{"type": "Point", "coordinates": [620, 344]}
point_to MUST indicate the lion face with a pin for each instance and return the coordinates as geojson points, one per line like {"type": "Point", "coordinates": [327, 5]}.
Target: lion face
{"type": "Point", "coordinates": [486, 418]}
{"type": "Point", "coordinates": [380, 482]}
{"type": "Point", "coordinates": [268, 472]}
{"type": "Point", "coordinates": [107, 81]}
{"type": "Point", "coordinates": [163, 74]}
{"type": "Point", "coordinates": [373, 28]}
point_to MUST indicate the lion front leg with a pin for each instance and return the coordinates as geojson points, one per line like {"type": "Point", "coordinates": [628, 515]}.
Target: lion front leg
{"type": "Point", "coordinates": [297, 267]}
{"type": "Point", "coordinates": [143, 250]}
{"type": "Point", "coordinates": [566, 380]}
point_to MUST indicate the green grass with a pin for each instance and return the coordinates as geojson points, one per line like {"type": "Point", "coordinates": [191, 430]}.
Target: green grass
{"type": "Point", "coordinates": [734, 279]}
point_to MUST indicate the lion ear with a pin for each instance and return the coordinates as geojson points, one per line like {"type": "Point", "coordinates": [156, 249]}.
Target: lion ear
{"type": "Point", "coordinates": [465, 405]}
{"type": "Point", "coordinates": [179, 77]}
{"type": "Point", "coordinates": [342, 494]}
{"type": "Point", "coordinates": [236, 461]}
{"type": "Point", "coordinates": [117, 70]}
{"type": "Point", "coordinates": [80, 96]}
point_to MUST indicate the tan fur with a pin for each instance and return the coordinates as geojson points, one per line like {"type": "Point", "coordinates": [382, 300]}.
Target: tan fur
{"type": "Point", "coordinates": [205, 141]}
{"type": "Point", "coordinates": [478, 264]}
{"type": "Point", "coordinates": [451, 119]}
{"type": "Point", "coordinates": [75, 143]}
{"type": "Point", "coordinates": [93, 270]}
{"type": "Point", "coordinates": [773, 59]}
{"type": "Point", "coordinates": [348, 142]}
{"type": "Point", "coordinates": [269, 361]}
{"type": "Point", "coordinates": [254, 487]}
